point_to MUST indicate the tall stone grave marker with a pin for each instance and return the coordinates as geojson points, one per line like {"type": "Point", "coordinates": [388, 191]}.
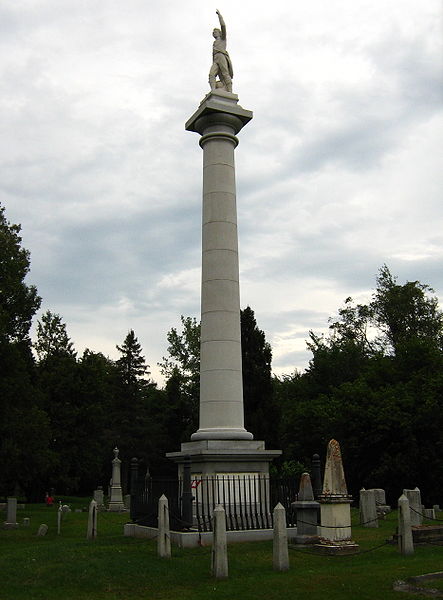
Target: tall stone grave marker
{"type": "Point", "coordinates": [116, 503]}
{"type": "Point", "coordinates": [220, 544]}
{"type": "Point", "coordinates": [164, 534]}
{"type": "Point", "coordinates": [280, 554]}
{"type": "Point", "coordinates": [335, 532]}
{"type": "Point", "coordinates": [405, 540]}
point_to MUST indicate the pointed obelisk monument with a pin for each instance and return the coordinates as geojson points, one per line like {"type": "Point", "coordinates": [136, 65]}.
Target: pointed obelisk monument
{"type": "Point", "coordinates": [221, 444]}
{"type": "Point", "coordinates": [335, 507]}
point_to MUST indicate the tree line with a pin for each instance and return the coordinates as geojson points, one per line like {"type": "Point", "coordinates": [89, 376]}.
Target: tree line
{"type": "Point", "coordinates": [374, 382]}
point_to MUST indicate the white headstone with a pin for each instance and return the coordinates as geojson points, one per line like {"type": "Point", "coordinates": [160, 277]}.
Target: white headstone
{"type": "Point", "coordinates": [280, 545]}
{"type": "Point", "coordinates": [11, 514]}
{"type": "Point", "coordinates": [414, 497]}
{"type": "Point", "coordinates": [91, 533]}
{"type": "Point", "coordinates": [164, 534]}
{"type": "Point", "coordinates": [368, 508]}
{"type": "Point", "coordinates": [220, 545]}
{"type": "Point", "coordinates": [405, 541]}
{"type": "Point", "coordinates": [42, 530]}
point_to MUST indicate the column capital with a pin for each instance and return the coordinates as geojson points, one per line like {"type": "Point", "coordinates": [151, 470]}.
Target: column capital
{"type": "Point", "coordinates": [219, 107]}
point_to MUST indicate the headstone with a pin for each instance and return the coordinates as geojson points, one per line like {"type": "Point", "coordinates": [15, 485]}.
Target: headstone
{"type": "Point", "coordinates": [42, 530]}
{"type": "Point", "coordinates": [127, 501]}
{"type": "Point", "coordinates": [335, 532]}
{"type": "Point", "coordinates": [280, 545]}
{"type": "Point", "coordinates": [380, 500]}
{"type": "Point", "coordinates": [26, 522]}
{"type": "Point", "coordinates": [219, 545]}
{"type": "Point", "coordinates": [11, 514]}
{"type": "Point", "coordinates": [429, 513]}
{"type": "Point", "coordinates": [436, 507]}
{"type": "Point", "coordinates": [116, 497]}
{"type": "Point", "coordinates": [368, 508]}
{"type": "Point", "coordinates": [91, 533]}
{"type": "Point", "coordinates": [405, 543]}
{"type": "Point", "coordinates": [164, 534]}
{"type": "Point", "coordinates": [59, 519]}
{"type": "Point", "coordinates": [98, 496]}
{"type": "Point", "coordinates": [415, 506]}
{"type": "Point", "coordinates": [307, 512]}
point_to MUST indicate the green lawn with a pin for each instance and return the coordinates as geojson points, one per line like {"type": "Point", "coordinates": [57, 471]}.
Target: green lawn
{"type": "Point", "coordinates": [68, 567]}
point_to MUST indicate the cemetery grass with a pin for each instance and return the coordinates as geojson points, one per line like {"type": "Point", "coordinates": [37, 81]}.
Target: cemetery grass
{"type": "Point", "coordinates": [113, 567]}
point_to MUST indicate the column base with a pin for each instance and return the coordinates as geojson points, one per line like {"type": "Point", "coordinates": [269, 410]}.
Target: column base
{"type": "Point", "coordinates": [221, 434]}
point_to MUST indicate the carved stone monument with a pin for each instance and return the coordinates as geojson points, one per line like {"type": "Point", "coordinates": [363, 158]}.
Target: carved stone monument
{"type": "Point", "coordinates": [307, 511]}
{"type": "Point", "coordinates": [116, 503]}
{"type": "Point", "coordinates": [221, 444]}
{"type": "Point", "coordinates": [335, 532]}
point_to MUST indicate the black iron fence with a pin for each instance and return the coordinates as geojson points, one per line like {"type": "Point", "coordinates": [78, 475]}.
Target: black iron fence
{"type": "Point", "coordinates": [248, 500]}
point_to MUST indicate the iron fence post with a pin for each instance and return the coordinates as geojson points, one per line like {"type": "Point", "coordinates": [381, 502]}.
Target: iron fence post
{"type": "Point", "coordinates": [187, 493]}
{"type": "Point", "coordinates": [134, 488]}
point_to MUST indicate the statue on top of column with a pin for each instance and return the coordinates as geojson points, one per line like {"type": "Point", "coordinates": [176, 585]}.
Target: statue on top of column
{"type": "Point", "coordinates": [221, 65]}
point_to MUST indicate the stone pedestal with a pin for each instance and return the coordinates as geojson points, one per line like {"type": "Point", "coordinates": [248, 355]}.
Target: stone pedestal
{"type": "Point", "coordinates": [335, 507]}
{"type": "Point", "coordinates": [307, 512]}
{"type": "Point", "coordinates": [213, 457]}
{"type": "Point", "coordinates": [116, 503]}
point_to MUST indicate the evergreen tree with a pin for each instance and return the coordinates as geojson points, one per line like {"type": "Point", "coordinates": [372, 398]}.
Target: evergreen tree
{"type": "Point", "coordinates": [131, 364]}
{"type": "Point", "coordinates": [58, 381]}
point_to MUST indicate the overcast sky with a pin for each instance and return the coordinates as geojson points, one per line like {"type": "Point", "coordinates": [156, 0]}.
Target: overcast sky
{"type": "Point", "coordinates": [339, 172]}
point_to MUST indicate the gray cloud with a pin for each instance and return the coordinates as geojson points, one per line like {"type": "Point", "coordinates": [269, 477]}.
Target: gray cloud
{"type": "Point", "coordinates": [337, 173]}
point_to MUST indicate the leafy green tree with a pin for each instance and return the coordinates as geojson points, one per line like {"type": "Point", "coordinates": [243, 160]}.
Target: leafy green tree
{"type": "Point", "coordinates": [182, 372]}
{"type": "Point", "coordinates": [18, 301]}
{"type": "Point", "coordinates": [375, 384]}
{"type": "Point", "coordinates": [405, 313]}
{"type": "Point", "coordinates": [261, 411]}
{"type": "Point", "coordinates": [24, 427]}
{"type": "Point", "coordinates": [52, 338]}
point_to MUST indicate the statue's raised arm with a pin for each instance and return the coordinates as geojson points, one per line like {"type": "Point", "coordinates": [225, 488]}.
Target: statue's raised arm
{"type": "Point", "coordinates": [221, 62]}
{"type": "Point", "coordinates": [222, 25]}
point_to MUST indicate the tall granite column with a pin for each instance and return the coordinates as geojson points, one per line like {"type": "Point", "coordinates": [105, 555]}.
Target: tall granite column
{"type": "Point", "coordinates": [221, 445]}
{"type": "Point", "coordinates": [218, 120]}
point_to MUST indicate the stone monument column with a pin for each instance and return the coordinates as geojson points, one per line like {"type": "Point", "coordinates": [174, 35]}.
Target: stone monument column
{"type": "Point", "coordinates": [221, 445]}
{"type": "Point", "coordinates": [218, 120]}
{"type": "Point", "coordinates": [116, 503]}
